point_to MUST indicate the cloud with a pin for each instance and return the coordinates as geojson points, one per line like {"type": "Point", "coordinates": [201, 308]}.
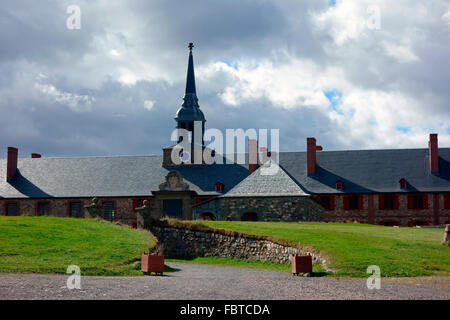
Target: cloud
{"type": "Point", "coordinates": [149, 104]}
{"type": "Point", "coordinates": [402, 54]}
{"type": "Point", "coordinates": [309, 68]}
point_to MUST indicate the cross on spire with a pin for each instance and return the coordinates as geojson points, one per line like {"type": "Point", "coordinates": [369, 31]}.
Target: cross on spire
{"type": "Point", "coordinates": [190, 46]}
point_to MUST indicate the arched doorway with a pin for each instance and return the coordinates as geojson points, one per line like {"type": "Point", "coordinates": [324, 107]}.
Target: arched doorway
{"type": "Point", "coordinates": [207, 216]}
{"type": "Point", "coordinates": [249, 216]}
{"type": "Point", "coordinates": [390, 223]}
{"type": "Point", "coordinates": [417, 223]}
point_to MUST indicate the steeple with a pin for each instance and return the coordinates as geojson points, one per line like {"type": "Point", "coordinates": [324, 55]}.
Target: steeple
{"type": "Point", "coordinates": [190, 110]}
{"type": "Point", "coordinates": [190, 80]}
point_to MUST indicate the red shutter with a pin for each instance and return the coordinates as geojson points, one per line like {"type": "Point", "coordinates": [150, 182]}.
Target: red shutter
{"type": "Point", "coordinates": [197, 200]}
{"type": "Point", "coordinates": [135, 204]}
{"type": "Point", "coordinates": [381, 202]}
{"type": "Point", "coordinates": [425, 201]}
{"type": "Point", "coordinates": [410, 202]}
{"type": "Point", "coordinates": [331, 202]}
{"type": "Point", "coordinates": [346, 205]}
{"type": "Point", "coordinates": [360, 202]}
{"type": "Point", "coordinates": [395, 202]}
{"type": "Point", "coordinates": [447, 201]}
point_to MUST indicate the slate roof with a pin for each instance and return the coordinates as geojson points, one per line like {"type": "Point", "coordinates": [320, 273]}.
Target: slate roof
{"type": "Point", "coordinates": [369, 171]}
{"type": "Point", "coordinates": [362, 171]}
{"type": "Point", "coordinates": [109, 177]}
{"type": "Point", "coordinates": [267, 180]}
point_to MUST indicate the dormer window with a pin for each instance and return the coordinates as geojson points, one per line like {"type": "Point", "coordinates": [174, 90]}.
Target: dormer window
{"type": "Point", "coordinates": [339, 185]}
{"type": "Point", "coordinates": [219, 186]}
{"type": "Point", "coordinates": [402, 182]}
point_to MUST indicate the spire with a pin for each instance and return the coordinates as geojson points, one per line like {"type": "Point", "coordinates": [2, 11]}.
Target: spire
{"type": "Point", "coordinates": [190, 81]}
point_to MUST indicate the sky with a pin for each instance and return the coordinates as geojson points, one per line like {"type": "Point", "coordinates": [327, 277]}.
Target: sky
{"type": "Point", "coordinates": [353, 74]}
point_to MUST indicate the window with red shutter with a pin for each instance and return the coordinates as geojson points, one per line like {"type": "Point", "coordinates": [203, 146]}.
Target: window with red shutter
{"type": "Point", "coordinates": [395, 202]}
{"type": "Point", "coordinates": [360, 202]}
{"type": "Point", "coordinates": [425, 201]}
{"type": "Point", "coordinates": [410, 202]}
{"type": "Point", "coordinates": [447, 201]}
{"type": "Point", "coordinates": [381, 202]}
{"type": "Point", "coordinates": [346, 203]}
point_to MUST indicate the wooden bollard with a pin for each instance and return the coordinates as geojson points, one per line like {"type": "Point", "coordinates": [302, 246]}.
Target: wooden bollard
{"type": "Point", "coordinates": [446, 239]}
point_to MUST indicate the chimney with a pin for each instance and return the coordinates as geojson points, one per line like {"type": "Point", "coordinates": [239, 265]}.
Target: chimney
{"type": "Point", "coordinates": [311, 149]}
{"type": "Point", "coordinates": [35, 155]}
{"type": "Point", "coordinates": [11, 165]}
{"type": "Point", "coordinates": [252, 155]}
{"type": "Point", "coordinates": [434, 153]}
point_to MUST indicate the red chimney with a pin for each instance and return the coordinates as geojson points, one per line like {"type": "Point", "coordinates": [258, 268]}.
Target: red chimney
{"type": "Point", "coordinates": [311, 149]}
{"type": "Point", "coordinates": [35, 155]}
{"type": "Point", "coordinates": [11, 166]}
{"type": "Point", "coordinates": [252, 155]}
{"type": "Point", "coordinates": [434, 153]}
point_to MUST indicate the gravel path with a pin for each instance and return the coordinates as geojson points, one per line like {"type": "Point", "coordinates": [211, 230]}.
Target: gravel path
{"type": "Point", "coordinates": [193, 282]}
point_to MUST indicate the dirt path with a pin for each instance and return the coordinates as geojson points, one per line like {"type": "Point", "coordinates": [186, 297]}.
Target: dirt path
{"type": "Point", "coordinates": [208, 282]}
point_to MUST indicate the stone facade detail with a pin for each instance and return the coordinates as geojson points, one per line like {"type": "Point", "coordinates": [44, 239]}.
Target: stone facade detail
{"type": "Point", "coordinates": [298, 208]}
{"type": "Point", "coordinates": [184, 243]}
{"type": "Point", "coordinates": [276, 208]}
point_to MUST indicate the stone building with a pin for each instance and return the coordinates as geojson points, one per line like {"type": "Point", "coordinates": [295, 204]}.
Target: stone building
{"type": "Point", "coordinates": [403, 187]}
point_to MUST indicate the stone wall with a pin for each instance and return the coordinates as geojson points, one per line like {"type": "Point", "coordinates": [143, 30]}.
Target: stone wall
{"type": "Point", "coordinates": [184, 243]}
{"type": "Point", "coordinates": [273, 208]}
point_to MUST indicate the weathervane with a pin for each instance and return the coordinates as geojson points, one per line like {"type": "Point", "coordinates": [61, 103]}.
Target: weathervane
{"type": "Point", "coordinates": [190, 46]}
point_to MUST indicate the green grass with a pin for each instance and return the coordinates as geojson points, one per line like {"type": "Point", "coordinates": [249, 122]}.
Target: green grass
{"type": "Point", "coordinates": [51, 244]}
{"type": "Point", "coordinates": [351, 248]}
{"type": "Point", "coordinates": [250, 264]}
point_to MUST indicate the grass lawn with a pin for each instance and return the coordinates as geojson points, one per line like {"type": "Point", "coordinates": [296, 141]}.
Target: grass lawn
{"type": "Point", "coordinates": [351, 248]}
{"type": "Point", "coordinates": [251, 264]}
{"type": "Point", "coordinates": [51, 244]}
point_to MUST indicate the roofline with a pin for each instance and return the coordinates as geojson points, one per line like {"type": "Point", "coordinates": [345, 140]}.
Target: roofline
{"type": "Point", "coordinates": [223, 154]}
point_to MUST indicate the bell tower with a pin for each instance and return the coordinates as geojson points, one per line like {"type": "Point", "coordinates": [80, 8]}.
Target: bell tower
{"type": "Point", "coordinates": [190, 112]}
{"type": "Point", "coordinates": [190, 125]}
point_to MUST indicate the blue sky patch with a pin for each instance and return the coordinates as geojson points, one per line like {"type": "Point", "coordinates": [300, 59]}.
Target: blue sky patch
{"type": "Point", "coordinates": [403, 129]}
{"type": "Point", "coordinates": [335, 98]}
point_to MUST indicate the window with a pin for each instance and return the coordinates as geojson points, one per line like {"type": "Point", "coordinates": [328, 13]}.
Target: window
{"type": "Point", "coordinates": [353, 203]}
{"type": "Point", "coordinates": [327, 202]}
{"type": "Point", "coordinates": [417, 223]}
{"type": "Point", "coordinates": [447, 201]}
{"type": "Point", "coordinates": [43, 208]}
{"type": "Point", "coordinates": [75, 210]}
{"type": "Point", "coordinates": [108, 210]}
{"type": "Point", "coordinates": [12, 209]}
{"type": "Point", "coordinates": [402, 182]}
{"type": "Point", "coordinates": [418, 201]}
{"type": "Point", "coordinates": [249, 216]}
{"type": "Point", "coordinates": [219, 186]}
{"type": "Point", "coordinates": [339, 184]}
{"type": "Point", "coordinates": [388, 202]}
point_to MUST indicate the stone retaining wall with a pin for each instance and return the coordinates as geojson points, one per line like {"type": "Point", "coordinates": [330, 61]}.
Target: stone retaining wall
{"type": "Point", "coordinates": [184, 243]}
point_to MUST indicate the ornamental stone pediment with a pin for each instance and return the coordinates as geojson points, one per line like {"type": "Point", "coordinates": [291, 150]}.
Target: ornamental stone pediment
{"type": "Point", "coordinates": [174, 182]}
